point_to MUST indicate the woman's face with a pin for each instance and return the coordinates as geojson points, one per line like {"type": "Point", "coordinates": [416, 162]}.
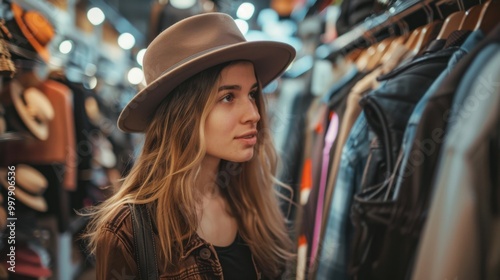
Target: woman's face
{"type": "Point", "coordinates": [231, 126]}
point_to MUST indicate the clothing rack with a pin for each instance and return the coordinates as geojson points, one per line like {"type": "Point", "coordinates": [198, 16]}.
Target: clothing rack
{"type": "Point", "coordinates": [365, 31]}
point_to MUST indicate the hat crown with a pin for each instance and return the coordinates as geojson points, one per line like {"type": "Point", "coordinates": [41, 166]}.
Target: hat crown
{"type": "Point", "coordinates": [36, 29]}
{"type": "Point", "coordinates": [39, 26]}
{"type": "Point", "coordinates": [187, 39]}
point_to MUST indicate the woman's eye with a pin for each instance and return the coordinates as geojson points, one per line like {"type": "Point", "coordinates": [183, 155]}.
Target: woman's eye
{"type": "Point", "coordinates": [253, 95]}
{"type": "Point", "coordinates": [227, 98]}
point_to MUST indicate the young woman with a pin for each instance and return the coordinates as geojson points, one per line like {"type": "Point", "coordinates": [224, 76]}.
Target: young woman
{"type": "Point", "coordinates": [206, 168]}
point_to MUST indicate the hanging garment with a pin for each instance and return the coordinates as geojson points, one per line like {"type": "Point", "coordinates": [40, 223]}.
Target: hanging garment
{"type": "Point", "coordinates": [316, 120]}
{"type": "Point", "coordinates": [388, 248]}
{"type": "Point", "coordinates": [320, 120]}
{"type": "Point", "coordinates": [83, 130]}
{"type": "Point", "coordinates": [353, 110]}
{"type": "Point", "coordinates": [389, 107]}
{"type": "Point", "coordinates": [349, 117]}
{"type": "Point", "coordinates": [350, 108]}
{"type": "Point", "coordinates": [287, 127]}
{"type": "Point", "coordinates": [462, 229]}
{"type": "Point", "coordinates": [339, 229]}
{"type": "Point", "coordinates": [332, 261]}
{"type": "Point", "coordinates": [330, 137]}
{"type": "Point", "coordinates": [473, 39]}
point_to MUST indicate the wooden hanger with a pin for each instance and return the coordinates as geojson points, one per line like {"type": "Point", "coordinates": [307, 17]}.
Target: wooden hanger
{"type": "Point", "coordinates": [397, 42]}
{"type": "Point", "coordinates": [394, 54]}
{"type": "Point", "coordinates": [380, 49]}
{"type": "Point", "coordinates": [489, 16]}
{"type": "Point", "coordinates": [426, 35]}
{"type": "Point", "coordinates": [412, 40]}
{"type": "Point", "coordinates": [471, 17]}
{"type": "Point", "coordinates": [353, 55]}
{"type": "Point", "coordinates": [451, 23]}
{"type": "Point", "coordinates": [362, 59]}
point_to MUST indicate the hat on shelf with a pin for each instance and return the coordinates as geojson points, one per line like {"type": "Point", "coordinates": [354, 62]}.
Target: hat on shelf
{"type": "Point", "coordinates": [191, 46]}
{"type": "Point", "coordinates": [32, 107]}
{"type": "Point", "coordinates": [29, 186]}
{"type": "Point", "coordinates": [32, 260]}
{"type": "Point", "coordinates": [7, 67]}
{"type": "Point", "coordinates": [34, 28]}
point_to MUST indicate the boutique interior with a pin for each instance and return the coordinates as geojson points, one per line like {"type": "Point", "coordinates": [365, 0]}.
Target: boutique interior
{"type": "Point", "coordinates": [387, 124]}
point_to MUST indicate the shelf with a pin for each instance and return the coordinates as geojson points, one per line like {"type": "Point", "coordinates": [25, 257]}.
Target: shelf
{"type": "Point", "coordinates": [12, 136]}
{"type": "Point", "coordinates": [372, 25]}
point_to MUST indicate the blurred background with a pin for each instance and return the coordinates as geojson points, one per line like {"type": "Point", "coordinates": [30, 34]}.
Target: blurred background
{"type": "Point", "coordinates": [68, 67]}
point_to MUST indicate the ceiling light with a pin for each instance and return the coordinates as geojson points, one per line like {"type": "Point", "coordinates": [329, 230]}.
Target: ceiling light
{"type": "Point", "coordinates": [65, 46]}
{"type": "Point", "coordinates": [182, 4]}
{"type": "Point", "coordinates": [91, 83]}
{"type": "Point", "coordinates": [208, 6]}
{"type": "Point", "coordinates": [135, 76]}
{"type": "Point", "coordinates": [126, 41]}
{"type": "Point", "coordinates": [140, 56]}
{"type": "Point", "coordinates": [245, 11]}
{"type": "Point", "coordinates": [95, 16]}
{"type": "Point", "coordinates": [242, 25]}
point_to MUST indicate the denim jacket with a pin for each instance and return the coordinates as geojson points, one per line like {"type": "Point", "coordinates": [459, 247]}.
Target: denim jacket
{"type": "Point", "coordinates": [115, 256]}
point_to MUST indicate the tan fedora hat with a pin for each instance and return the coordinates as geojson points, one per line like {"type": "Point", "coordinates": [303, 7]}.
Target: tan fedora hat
{"type": "Point", "coordinates": [30, 184]}
{"type": "Point", "coordinates": [31, 179]}
{"type": "Point", "coordinates": [33, 108]}
{"type": "Point", "coordinates": [191, 46]}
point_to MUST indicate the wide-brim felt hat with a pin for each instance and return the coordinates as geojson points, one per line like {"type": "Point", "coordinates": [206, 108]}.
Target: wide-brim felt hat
{"type": "Point", "coordinates": [191, 46]}
{"type": "Point", "coordinates": [29, 184]}
{"type": "Point", "coordinates": [33, 108]}
{"type": "Point", "coordinates": [36, 28]}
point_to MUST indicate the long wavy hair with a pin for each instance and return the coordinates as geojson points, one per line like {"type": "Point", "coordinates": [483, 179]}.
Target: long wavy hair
{"type": "Point", "coordinates": [164, 173]}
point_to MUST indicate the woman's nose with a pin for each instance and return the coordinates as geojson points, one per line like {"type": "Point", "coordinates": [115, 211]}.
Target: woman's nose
{"type": "Point", "coordinates": [251, 112]}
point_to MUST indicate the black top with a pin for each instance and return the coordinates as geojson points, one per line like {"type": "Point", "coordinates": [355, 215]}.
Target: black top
{"type": "Point", "coordinates": [236, 260]}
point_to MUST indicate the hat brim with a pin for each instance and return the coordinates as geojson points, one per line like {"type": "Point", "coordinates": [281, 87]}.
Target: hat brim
{"type": "Point", "coordinates": [270, 59]}
{"type": "Point", "coordinates": [39, 129]}
{"type": "Point", "coordinates": [37, 203]}
{"type": "Point", "coordinates": [42, 51]}
{"type": "Point", "coordinates": [31, 179]}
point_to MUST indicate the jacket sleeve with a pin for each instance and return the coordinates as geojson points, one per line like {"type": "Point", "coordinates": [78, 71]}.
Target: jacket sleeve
{"type": "Point", "coordinates": [114, 258]}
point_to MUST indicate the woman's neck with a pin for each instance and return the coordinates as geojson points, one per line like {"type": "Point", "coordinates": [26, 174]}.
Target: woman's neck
{"type": "Point", "coordinates": [216, 224]}
{"type": "Point", "coordinates": [206, 179]}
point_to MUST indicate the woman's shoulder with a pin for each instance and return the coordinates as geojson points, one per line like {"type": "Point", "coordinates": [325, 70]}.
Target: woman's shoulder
{"type": "Point", "coordinates": [121, 218]}
{"type": "Point", "coordinates": [116, 231]}
{"type": "Point", "coordinates": [115, 246]}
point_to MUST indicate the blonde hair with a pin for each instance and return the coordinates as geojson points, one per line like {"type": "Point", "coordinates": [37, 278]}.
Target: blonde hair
{"type": "Point", "coordinates": [164, 173]}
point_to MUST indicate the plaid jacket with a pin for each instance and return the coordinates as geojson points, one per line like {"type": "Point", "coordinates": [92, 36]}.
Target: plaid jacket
{"type": "Point", "coordinates": [115, 256]}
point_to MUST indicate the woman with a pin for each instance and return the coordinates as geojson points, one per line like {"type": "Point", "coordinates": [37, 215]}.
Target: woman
{"type": "Point", "coordinates": [206, 168]}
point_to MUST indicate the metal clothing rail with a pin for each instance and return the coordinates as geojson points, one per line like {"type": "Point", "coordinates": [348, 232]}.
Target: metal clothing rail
{"type": "Point", "coordinates": [364, 31]}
